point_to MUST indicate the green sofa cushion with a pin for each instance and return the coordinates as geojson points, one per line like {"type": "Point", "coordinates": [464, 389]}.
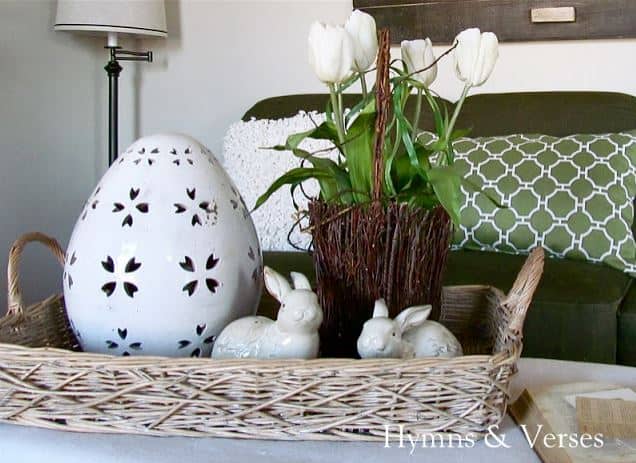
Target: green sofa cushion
{"type": "Point", "coordinates": [626, 351]}
{"type": "Point", "coordinates": [574, 313]}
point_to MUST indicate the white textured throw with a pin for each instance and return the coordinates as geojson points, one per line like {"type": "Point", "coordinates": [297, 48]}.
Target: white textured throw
{"type": "Point", "coordinates": [253, 169]}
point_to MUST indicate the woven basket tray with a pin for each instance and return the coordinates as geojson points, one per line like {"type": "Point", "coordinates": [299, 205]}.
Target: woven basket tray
{"type": "Point", "coordinates": [46, 382]}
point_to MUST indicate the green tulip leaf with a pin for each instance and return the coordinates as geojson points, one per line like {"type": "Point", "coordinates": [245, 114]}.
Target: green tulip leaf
{"type": "Point", "coordinates": [353, 113]}
{"type": "Point", "coordinates": [335, 183]}
{"type": "Point", "coordinates": [477, 189]}
{"type": "Point", "coordinates": [349, 82]}
{"type": "Point", "coordinates": [275, 148]}
{"type": "Point", "coordinates": [440, 122]}
{"type": "Point", "coordinates": [404, 131]}
{"type": "Point", "coordinates": [358, 151]}
{"type": "Point", "coordinates": [460, 133]}
{"type": "Point", "coordinates": [325, 131]}
{"type": "Point", "coordinates": [446, 184]}
{"type": "Point", "coordinates": [404, 174]}
{"type": "Point", "coordinates": [437, 146]}
{"type": "Point", "coordinates": [292, 177]}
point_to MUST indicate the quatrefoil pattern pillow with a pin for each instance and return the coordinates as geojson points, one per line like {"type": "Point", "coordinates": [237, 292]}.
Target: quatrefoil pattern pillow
{"type": "Point", "coordinates": [573, 196]}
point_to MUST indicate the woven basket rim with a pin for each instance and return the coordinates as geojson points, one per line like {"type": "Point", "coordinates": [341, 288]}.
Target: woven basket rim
{"type": "Point", "coordinates": [499, 357]}
{"type": "Point", "coordinates": [156, 361]}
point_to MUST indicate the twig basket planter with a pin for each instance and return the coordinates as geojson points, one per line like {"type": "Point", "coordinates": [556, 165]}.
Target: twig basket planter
{"type": "Point", "coordinates": [366, 252]}
{"type": "Point", "coordinates": [383, 248]}
{"type": "Point", "coordinates": [44, 383]}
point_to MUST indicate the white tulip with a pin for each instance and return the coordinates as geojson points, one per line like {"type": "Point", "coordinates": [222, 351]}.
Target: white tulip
{"type": "Point", "coordinates": [361, 28]}
{"type": "Point", "coordinates": [475, 56]}
{"type": "Point", "coordinates": [417, 55]}
{"type": "Point", "coordinates": [330, 52]}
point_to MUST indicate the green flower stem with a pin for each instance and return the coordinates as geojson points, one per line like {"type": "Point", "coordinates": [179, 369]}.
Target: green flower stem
{"type": "Point", "coordinates": [418, 110]}
{"type": "Point", "coordinates": [336, 105]}
{"type": "Point", "coordinates": [434, 109]}
{"type": "Point", "coordinates": [363, 84]}
{"type": "Point", "coordinates": [458, 109]}
{"type": "Point", "coordinates": [341, 110]}
{"type": "Point", "coordinates": [405, 97]}
{"type": "Point", "coordinates": [449, 152]}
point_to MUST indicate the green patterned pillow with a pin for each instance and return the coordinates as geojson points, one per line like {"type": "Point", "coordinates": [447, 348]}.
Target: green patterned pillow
{"type": "Point", "coordinates": [572, 195]}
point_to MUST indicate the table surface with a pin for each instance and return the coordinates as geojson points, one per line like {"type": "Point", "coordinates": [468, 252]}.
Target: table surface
{"type": "Point", "coordinates": [26, 444]}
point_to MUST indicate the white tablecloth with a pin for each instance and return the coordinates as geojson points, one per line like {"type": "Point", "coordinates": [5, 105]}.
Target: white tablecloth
{"type": "Point", "coordinates": [25, 444]}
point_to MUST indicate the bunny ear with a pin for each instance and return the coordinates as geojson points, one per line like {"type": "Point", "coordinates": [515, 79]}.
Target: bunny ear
{"type": "Point", "coordinates": [412, 317]}
{"type": "Point", "coordinates": [300, 281]}
{"type": "Point", "coordinates": [276, 284]}
{"type": "Point", "coordinates": [380, 309]}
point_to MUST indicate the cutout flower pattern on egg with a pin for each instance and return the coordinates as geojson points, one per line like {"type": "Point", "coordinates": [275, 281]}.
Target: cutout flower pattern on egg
{"type": "Point", "coordinates": [189, 266]}
{"type": "Point", "coordinates": [131, 207]}
{"type": "Point", "coordinates": [201, 340]}
{"type": "Point", "coordinates": [183, 157]}
{"type": "Point", "coordinates": [121, 345]}
{"type": "Point", "coordinates": [67, 272]}
{"type": "Point", "coordinates": [92, 203]}
{"type": "Point", "coordinates": [147, 156]}
{"type": "Point", "coordinates": [239, 204]}
{"type": "Point", "coordinates": [197, 208]}
{"type": "Point", "coordinates": [109, 287]}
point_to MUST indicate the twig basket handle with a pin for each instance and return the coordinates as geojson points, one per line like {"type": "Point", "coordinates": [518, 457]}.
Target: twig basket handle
{"type": "Point", "coordinates": [14, 296]}
{"type": "Point", "coordinates": [520, 296]}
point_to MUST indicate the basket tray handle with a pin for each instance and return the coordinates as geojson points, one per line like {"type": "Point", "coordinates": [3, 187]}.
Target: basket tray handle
{"type": "Point", "coordinates": [518, 299]}
{"type": "Point", "coordinates": [14, 296]}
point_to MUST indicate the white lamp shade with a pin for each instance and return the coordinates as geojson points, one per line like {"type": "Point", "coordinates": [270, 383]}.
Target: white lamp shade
{"type": "Point", "coordinates": [141, 17]}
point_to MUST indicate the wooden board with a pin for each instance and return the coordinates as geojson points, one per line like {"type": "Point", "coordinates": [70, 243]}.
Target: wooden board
{"type": "Point", "coordinates": [511, 20]}
{"type": "Point", "coordinates": [545, 411]}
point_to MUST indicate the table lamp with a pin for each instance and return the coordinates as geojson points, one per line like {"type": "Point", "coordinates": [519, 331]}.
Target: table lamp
{"type": "Point", "coordinates": [111, 18]}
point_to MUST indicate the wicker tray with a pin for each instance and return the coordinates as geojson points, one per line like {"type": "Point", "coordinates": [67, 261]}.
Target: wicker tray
{"type": "Point", "coordinates": [45, 382]}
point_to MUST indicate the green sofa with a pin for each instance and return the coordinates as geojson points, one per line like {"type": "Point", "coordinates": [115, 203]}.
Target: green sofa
{"type": "Point", "coordinates": [581, 311]}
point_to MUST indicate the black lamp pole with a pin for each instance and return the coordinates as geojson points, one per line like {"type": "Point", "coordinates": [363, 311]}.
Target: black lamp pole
{"type": "Point", "coordinates": [113, 69]}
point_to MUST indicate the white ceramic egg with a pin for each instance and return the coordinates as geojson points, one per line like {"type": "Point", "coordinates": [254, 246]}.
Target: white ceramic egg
{"type": "Point", "coordinates": [164, 254]}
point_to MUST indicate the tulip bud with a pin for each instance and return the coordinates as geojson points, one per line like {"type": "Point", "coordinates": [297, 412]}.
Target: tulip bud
{"type": "Point", "coordinates": [361, 28]}
{"type": "Point", "coordinates": [330, 52]}
{"type": "Point", "coordinates": [417, 55]}
{"type": "Point", "coordinates": [475, 56]}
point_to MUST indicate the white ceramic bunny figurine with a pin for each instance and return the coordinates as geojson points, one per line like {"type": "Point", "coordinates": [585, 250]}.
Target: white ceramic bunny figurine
{"type": "Point", "coordinates": [409, 335]}
{"type": "Point", "coordinates": [294, 334]}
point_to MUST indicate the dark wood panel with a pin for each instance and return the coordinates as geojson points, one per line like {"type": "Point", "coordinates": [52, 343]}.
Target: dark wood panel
{"type": "Point", "coordinates": [509, 19]}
